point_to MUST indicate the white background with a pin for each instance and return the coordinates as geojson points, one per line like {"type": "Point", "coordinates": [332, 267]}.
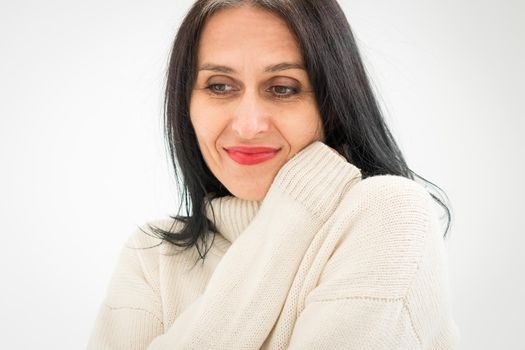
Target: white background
{"type": "Point", "coordinates": [82, 161]}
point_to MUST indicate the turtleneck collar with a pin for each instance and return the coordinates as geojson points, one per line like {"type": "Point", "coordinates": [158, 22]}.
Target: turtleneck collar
{"type": "Point", "coordinates": [232, 215]}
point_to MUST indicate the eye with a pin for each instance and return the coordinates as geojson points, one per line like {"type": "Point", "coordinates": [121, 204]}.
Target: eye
{"type": "Point", "coordinates": [284, 91]}
{"type": "Point", "coordinates": [279, 91]}
{"type": "Point", "coordinates": [219, 89]}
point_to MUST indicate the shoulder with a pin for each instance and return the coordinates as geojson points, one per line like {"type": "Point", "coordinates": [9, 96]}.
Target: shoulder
{"type": "Point", "coordinates": [143, 247]}
{"type": "Point", "coordinates": [385, 222]}
{"type": "Point", "coordinates": [135, 278]}
{"type": "Point", "coordinates": [381, 188]}
{"type": "Point", "coordinates": [390, 199]}
{"type": "Point", "coordinates": [391, 207]}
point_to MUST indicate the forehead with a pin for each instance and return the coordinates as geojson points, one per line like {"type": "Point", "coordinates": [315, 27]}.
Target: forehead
{"type": "Point", "coordinates": [247, 33]}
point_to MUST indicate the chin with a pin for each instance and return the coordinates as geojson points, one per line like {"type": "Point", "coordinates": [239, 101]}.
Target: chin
{"type": "Point", "coordinates": [247, 187]}
{"type": "Point", "coordinates": [255, 195]}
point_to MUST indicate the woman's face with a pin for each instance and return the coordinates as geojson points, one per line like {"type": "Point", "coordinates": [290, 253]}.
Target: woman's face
{"type": "Point", "coordinates": [251, 91]}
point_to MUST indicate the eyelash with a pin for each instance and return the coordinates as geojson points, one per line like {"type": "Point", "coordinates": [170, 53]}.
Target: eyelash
{"type": "Point", "coordinates": [279, 96]}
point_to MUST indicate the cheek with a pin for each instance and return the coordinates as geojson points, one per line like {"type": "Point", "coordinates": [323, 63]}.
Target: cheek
{"type": "Point", "coordinates": [205, 121]}
{"type": "Point", "coordinates": [302, 129]}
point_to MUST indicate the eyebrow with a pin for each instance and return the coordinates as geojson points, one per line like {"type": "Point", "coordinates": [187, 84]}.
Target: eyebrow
{"type": "Point", "coordinates": [269, 69]}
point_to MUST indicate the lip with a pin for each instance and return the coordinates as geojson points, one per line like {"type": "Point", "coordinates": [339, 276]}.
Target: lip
{"type": "Point", "coordinates": [251, 155]}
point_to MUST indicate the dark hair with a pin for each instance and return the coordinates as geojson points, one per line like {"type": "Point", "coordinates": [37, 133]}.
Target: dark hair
{"type": "Point", "coordinates": [352, 120]}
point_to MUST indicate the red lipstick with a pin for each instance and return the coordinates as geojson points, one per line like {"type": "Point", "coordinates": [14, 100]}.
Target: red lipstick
{"type": "Point", "coordinates": [251, 155]}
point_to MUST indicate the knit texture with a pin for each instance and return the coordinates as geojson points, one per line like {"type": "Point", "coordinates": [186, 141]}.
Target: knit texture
{"type": "Point", "coordinates": [326, 261]}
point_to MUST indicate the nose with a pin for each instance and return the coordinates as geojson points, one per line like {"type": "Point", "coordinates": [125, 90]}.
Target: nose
{"type": "Point", "coordinates": [250, 117]}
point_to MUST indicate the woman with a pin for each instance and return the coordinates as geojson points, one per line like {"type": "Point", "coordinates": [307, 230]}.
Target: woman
{"type": "Point", "coordinates": [320, 237]}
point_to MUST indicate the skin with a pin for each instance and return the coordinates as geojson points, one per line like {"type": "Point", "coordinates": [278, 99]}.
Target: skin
{"type": "Point", "coordinates": [248, 106]}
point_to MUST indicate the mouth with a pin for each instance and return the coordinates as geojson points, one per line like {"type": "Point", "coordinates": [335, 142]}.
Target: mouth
{"type": "Point", "coordinates": [251, 155]}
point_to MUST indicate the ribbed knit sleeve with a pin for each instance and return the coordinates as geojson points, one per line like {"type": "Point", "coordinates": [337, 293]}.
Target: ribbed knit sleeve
{"type": "Point", "coordinates": [130, 316]}
{"type": "Point", "coordinates": [316, 178]}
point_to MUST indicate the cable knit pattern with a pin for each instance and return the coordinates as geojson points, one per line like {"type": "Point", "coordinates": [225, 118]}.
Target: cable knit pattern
{"type": "Point", "coordinates": [326, 261]}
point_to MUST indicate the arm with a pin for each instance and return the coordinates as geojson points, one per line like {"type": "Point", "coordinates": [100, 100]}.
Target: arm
{"type": "Point", "coordinates": [131, 315]}
{"type": "Point", "coordinates": [248, 288]}
{"type": "Point", "coordinates": [384, 287]}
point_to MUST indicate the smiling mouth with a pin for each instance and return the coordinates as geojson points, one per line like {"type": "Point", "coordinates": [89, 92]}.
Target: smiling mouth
{"type": "Point", "coordinates": [251, 155]}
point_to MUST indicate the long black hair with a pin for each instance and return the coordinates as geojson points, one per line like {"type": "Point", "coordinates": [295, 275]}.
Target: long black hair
{"type": "Point", "coordinates": [352, 120]}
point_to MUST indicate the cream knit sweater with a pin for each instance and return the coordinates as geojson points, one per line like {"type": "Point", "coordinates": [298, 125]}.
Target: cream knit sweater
{"type": "Point", "coordinates": [326, 261]}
